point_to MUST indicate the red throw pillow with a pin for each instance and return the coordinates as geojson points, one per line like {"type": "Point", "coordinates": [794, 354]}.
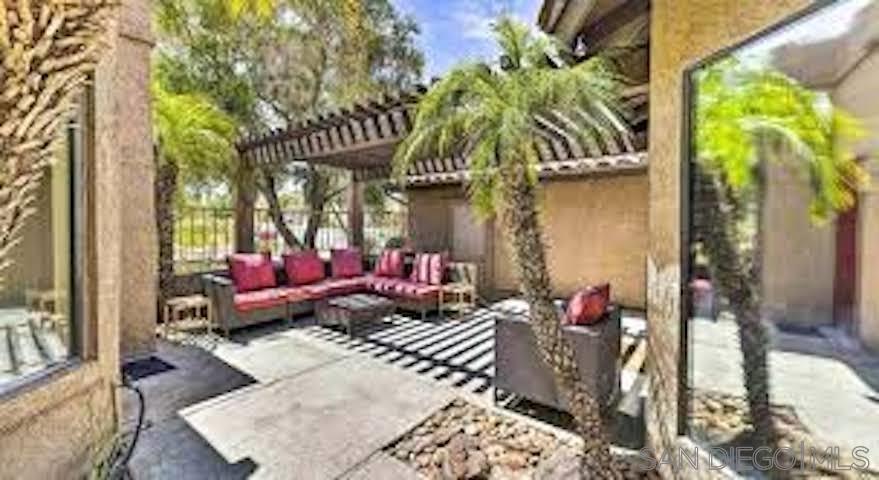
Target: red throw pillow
{"type": "Point", "coordinates": [390, 264]}
{"type": "Point", "coordinates": [588, 305]}
{"type": "Point", "coordinates": [303, 267]}
{"type": "Point", "coordinates": [346, 263]}
{"type": "Point", "coordinates": [428, 268]}
{"type": "Point", "coordinates": [252, 271]}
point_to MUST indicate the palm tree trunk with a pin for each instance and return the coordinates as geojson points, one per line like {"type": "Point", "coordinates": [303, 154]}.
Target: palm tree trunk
{"type": "Point", "coordinates": [521, 220]}
{"type": "Point", "coordinates": [715, 221]}
{"type": "Point", "coordinates": [166, 187]}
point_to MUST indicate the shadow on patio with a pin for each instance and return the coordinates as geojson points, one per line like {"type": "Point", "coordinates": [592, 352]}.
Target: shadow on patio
{"type": "Point", "coordinates": [169, 447]}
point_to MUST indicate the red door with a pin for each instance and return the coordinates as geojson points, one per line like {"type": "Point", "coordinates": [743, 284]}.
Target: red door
{"type": "Point", "coordinates": [845, 280]}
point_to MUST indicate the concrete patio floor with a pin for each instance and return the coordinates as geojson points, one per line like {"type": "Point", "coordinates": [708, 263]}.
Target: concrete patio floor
{"type": "Point", "coordinates": [291, 405]}
{"type": "Point", "coordinates": [832, 384]}
{"type": "Point", "coordinates": [307, 402]}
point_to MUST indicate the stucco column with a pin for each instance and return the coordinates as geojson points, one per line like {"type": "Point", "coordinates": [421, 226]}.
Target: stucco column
{"type": "Point", "coordinates": [139, 253]}
{"type": "Point", "coordinates": [355, 212]}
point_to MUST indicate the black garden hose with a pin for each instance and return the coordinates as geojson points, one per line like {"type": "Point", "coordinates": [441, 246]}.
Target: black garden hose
{"type": "Point", "coordinates": [119, 461]}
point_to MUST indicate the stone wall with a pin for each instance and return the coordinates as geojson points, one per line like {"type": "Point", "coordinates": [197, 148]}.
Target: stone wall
{"type": "Point", "coordinates": [682, 33]}
{"type": "Point", "coordinates": [53, 426]}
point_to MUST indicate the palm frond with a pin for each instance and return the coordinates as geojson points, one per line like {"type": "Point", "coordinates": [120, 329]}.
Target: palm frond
{"type": "Point", "coordinates": [494, 114]}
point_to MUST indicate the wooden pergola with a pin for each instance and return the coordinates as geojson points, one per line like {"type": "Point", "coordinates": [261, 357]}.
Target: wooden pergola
{"type": "Point", "coordinates": [363, 137]}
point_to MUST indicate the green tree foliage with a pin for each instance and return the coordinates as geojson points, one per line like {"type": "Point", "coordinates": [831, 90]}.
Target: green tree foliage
{"type": "Point", "coordinates": [193, 133]}
{"type": "Point", "coordinates": [273, 63]}
{"type": "Point", "coordinates": [747, 114]}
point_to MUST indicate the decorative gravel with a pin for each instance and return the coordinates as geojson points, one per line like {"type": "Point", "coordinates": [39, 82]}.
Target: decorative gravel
{"type": "Point", "coordinates": [465, 441]}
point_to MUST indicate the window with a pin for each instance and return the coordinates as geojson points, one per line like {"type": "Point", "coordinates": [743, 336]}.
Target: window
{"type": "Point", "coordinates": [39, 313]}
{"type": "Point", "coordinates": [783, 243]}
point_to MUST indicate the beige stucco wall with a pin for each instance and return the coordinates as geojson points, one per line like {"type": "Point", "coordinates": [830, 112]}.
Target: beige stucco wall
{"type": "Point", "coordinates": [682, 32]}
{"type": "Point", "coordinates": [49, 429]}
{"type": "Point", "coordinates": [857, 94]}
{"type": "Point", "coordinates": [799, 256]}
{"type": "Point", "coordinates": [595, 231]}
{"type": "Point", "coordinates": [139, 255]}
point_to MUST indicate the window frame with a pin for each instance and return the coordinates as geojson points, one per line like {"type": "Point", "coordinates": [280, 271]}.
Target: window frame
{"type": "Point", "coordinates": [688, 90]}
{"type": "Point", "coordinates": [79, 131]}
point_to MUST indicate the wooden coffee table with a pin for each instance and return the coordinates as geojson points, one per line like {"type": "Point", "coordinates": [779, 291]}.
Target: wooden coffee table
{"type": "Point", "coordinates": [349, 310]}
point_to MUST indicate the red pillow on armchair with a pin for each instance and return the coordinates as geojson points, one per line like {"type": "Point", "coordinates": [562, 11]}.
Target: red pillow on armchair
{"type": "Point", "coordinates": [252, 271]}
{"type": "Point", "coordinates": [346, 263]}
{"type": "Point", "coordinates": [303, 267]}
{"type": "Point", "coordinates": [587, 306]}
{"type": "Point", "coordinates": [390, 263]}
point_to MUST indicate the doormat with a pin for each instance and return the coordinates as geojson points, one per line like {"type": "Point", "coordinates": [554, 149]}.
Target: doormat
{"type": "Point", "coordinates": [146, 367]}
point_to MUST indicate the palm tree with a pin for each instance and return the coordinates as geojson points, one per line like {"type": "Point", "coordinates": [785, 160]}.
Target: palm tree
{"type": "Point", "coordinates": [49, 50]}
{"type": "Point", "coordinates": [494, 116]}
{"type": "Point", "coordinates": [746, 115]}
{"type": "Point", "coordinates": [194, 141]}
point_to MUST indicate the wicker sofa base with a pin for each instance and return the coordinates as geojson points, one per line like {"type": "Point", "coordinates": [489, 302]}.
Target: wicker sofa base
{"type": "Point", "coordinates": [221, 292]}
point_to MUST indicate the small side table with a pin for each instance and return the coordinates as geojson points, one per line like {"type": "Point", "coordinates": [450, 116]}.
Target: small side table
{"type": "Point", "coordinates": [460, 297]}
{"type": "Point", "coordinates": [190, 310]}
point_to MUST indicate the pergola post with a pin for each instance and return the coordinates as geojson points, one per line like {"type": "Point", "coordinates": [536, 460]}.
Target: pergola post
{"type": "Point", "coordinates": [245, 198]}
{"type": "Point", "coordinates": [355, 212]}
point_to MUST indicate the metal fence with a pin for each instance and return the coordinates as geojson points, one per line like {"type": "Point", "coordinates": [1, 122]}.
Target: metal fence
{"type": "Point", "coordinates": [204, 237]}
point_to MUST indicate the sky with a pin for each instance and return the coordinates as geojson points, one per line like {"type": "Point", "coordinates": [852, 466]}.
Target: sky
{"type": "Point", "coordinates": [829, 22]}
{"type": "Point", "coordinates": [456, 30]}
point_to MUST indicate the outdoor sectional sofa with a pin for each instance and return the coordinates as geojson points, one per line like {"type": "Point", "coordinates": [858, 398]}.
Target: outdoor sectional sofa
{"type": "Point", "coordinates": [257, 289]}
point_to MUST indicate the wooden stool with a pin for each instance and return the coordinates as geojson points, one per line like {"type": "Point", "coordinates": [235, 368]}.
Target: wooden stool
{"type": "Point", "coordinates": [193, 309]}
{"type": "Point", "coordinates": [460, 293]}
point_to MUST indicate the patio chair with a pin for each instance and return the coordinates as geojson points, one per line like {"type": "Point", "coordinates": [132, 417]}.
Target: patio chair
{"type": "Point", "coordinates": [521, 371]}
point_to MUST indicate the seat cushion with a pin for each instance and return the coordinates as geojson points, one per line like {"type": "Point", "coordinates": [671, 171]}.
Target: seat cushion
{"type": "Point", "coordinates": [260, 299]}
{"type": "Point", "coordinates": [400, 287]}
{"type": "Point", "coordinates": [336, 286]}
{"type": "Point", "coordinates": [252, 271]}
{"type": "Point", "coordinates": [587, 306]}
{"type": "Point", "coordinates": [389, 264]}
{"type": "Point", "coordinates": [303, 268]}
{"type": "Point", "coordinates": [296, 294]}
{"type": "Point", "coordinates": [346, 263]}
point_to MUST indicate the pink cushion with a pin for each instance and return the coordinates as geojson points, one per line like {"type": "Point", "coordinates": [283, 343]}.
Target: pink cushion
{"type": "Point", "coordinates": [428, 268]}
{"type": "Point", "coordinates": [389, 264]}
{"type": "Point", "coordinates": [437, 269]}
{"type": "Point", "coordinates": [336, 286]}
{"type": "Point", "coordinates": [346, 263]}
{"type": "Point", "coordinates": [588, 305]}
{"type": "Point", "coordinates": [399, 287]}
{"type": "Point", "coordinates": [303, 267]}
{"type": "Point", "coordinates": [259, 299]}
{"type": "Point", "coordinates": [251, 271]}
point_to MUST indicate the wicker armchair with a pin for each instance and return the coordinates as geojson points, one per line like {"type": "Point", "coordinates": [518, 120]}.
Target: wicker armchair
{"type": "Point", "coordinates": [521, 371]}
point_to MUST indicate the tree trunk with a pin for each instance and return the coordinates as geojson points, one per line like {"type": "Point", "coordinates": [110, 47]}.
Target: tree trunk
{"type": "Point", "coordinates": [166, 187]}
{"type": "Point", "coordinates": [318, 184]}
{"type": "Point", "coordinates": [244, 210]}
{"type": "Point", "coordinates": [275, 212]}
{"type": "Point", "coordinates": [715, 220]}
{"type": "Point", "coordinates": [520, 218]}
